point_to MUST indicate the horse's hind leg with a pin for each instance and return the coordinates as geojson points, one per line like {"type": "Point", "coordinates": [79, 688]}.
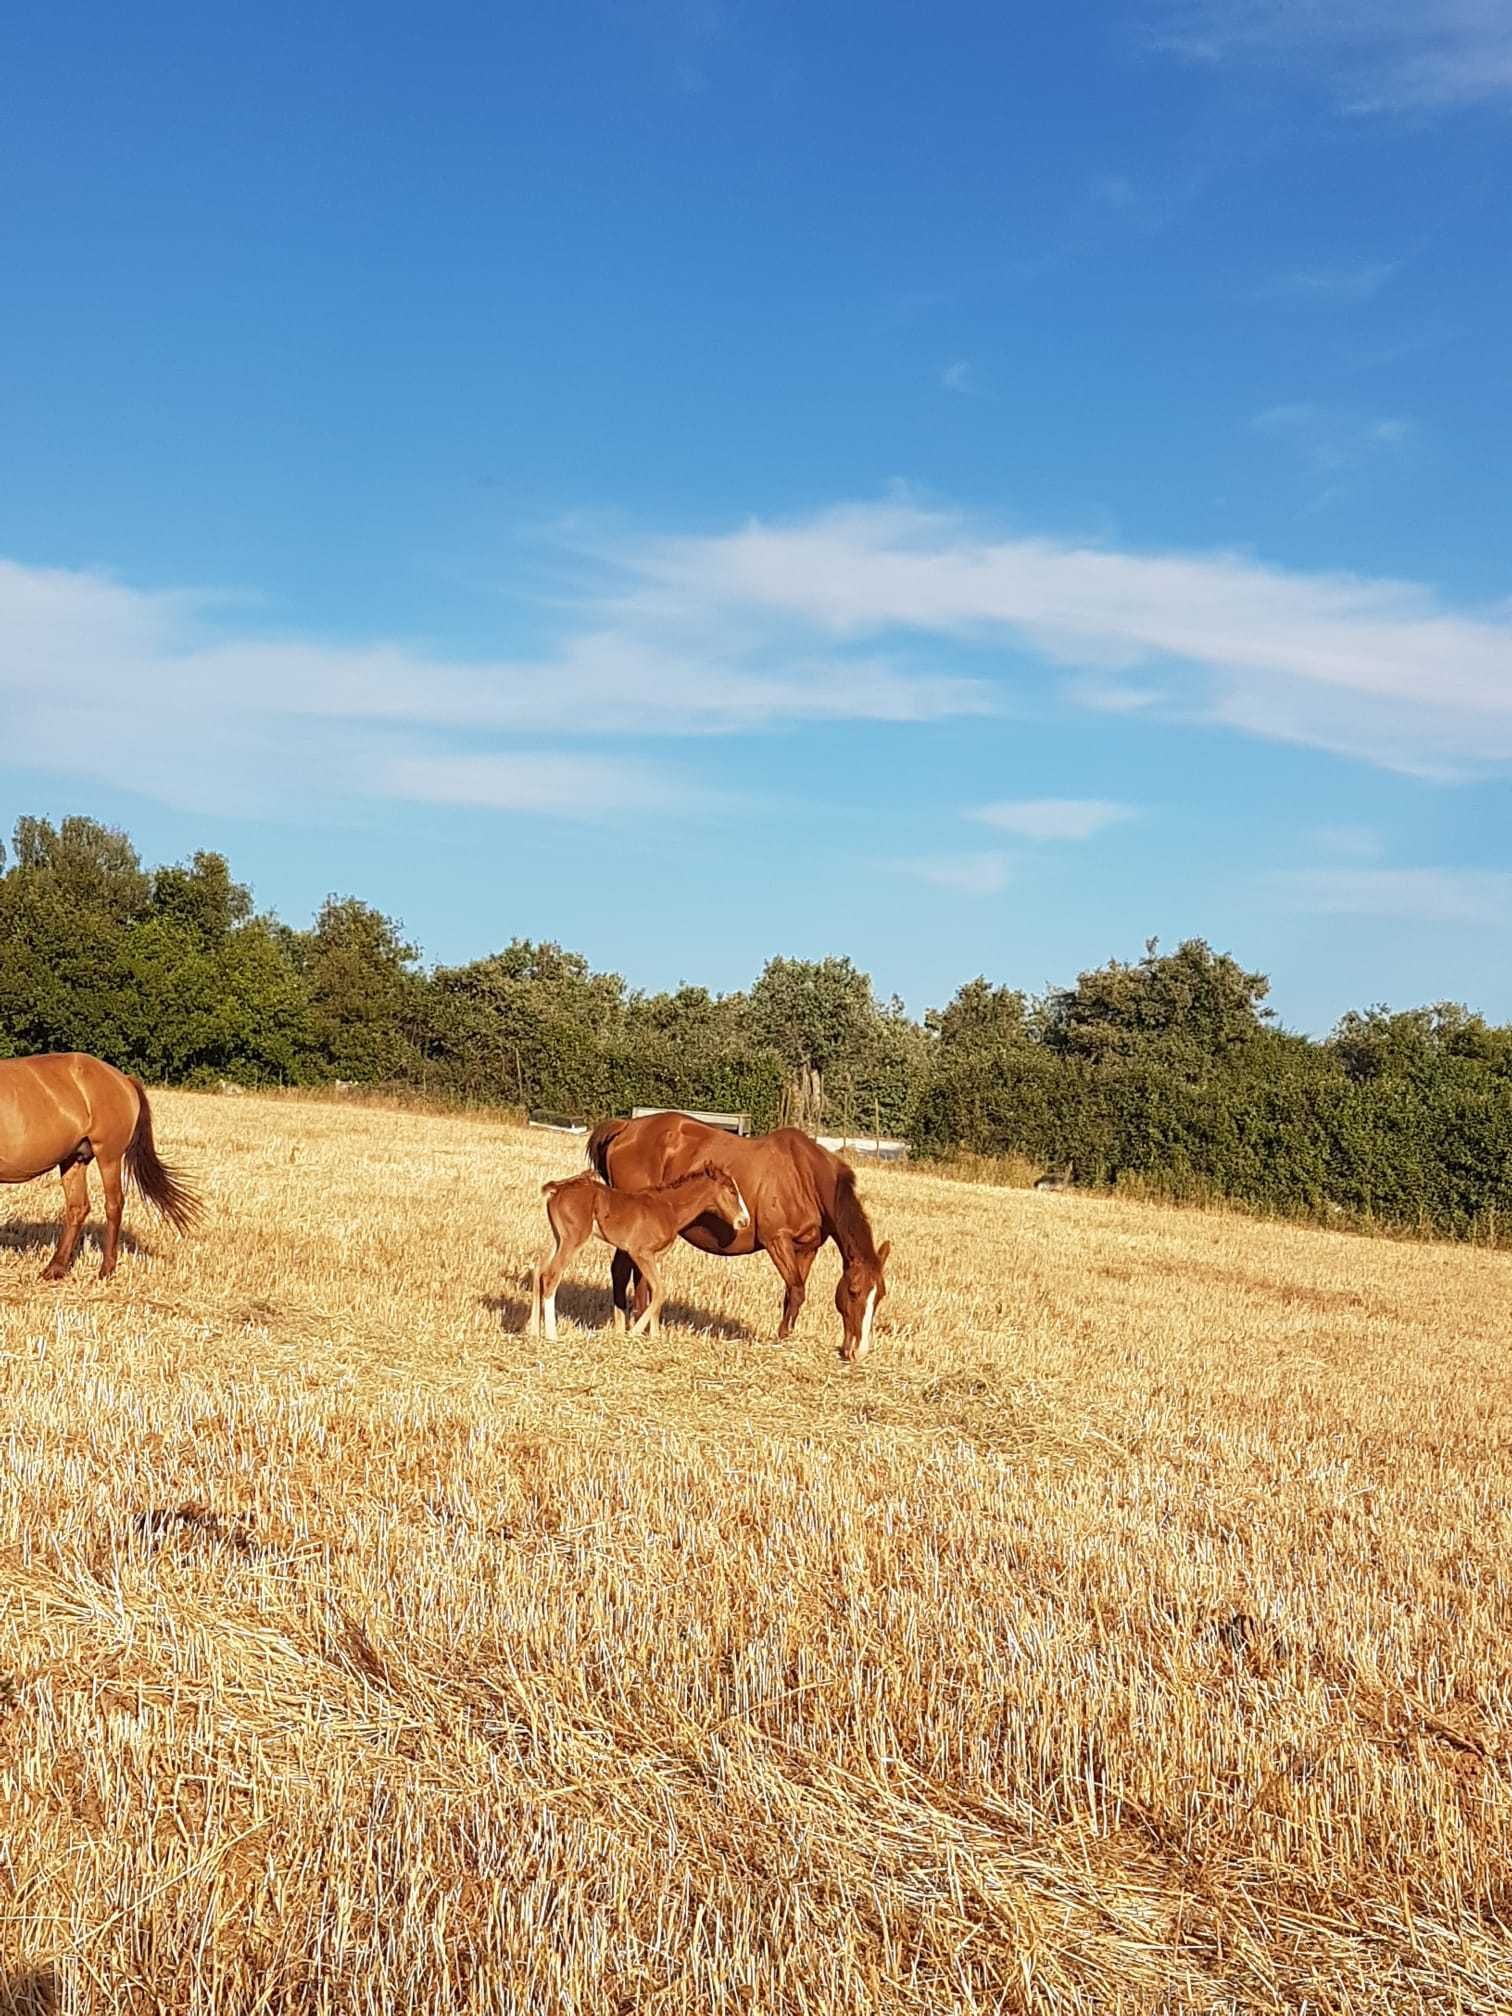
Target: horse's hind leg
{"type": "Point", "coordinates": [75, 1216]}
{"type": "Point", "coordinates": [569, 1237]}
{"type": "Point", "coordinates": [625, 1282]}
{"type": "Point", "coordinates": [543, 1287]}
{"type": "Point", "coordinates": [649, 1319]}
{"type": "Point", "coordinates": [115, 1190]}
{"type": "Point", "coordinates": [640, 1291]}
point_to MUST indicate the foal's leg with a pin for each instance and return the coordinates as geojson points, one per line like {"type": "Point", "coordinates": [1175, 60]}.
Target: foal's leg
{"type": "Point", "coordinates": [569, 1237]}
{"type": "Point", "coordinates": [650, 1317]}
{"type": "Point", "coordinates": [640, 1293]}
{"type": "Point", "coordinates": [110, 1181]}
{"type": "Point", "coordinates": [75, 1215]}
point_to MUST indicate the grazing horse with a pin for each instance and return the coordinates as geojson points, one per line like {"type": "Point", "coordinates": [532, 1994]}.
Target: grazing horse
{"type": "Point", "coordinates": [642, 1223]}
{"type": "Point", "coordinates": [64, 1112]}
{"type": "Point", "coordinates": [799, 1193]}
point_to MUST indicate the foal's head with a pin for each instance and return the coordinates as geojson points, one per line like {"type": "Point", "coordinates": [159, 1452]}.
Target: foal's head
{"type": "Point", "coordinates": [728, 1201]}
{"type": "Point", "coordinates": [858, 1296]}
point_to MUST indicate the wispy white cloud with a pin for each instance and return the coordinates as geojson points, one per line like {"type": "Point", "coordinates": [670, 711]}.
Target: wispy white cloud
{"type": "Point", "coordinates": [1053, 818]}
{"type": "Point", "coordinates": [959, 376]}
{"type": "Point", "coordinates": [972, 874]}
{"type": "Point", "coordinates": [1101, 695]}
{"type": "Point", "coordinates": [1344, 283]}
{"type": "Point", "coordinates": [884, 613]}
{"type": "Point", "coordinates": [1476, 896]}
{"type": "Point", "coordinates": [1411, 56]}
{"type": "Point", "coordinates": [575, 785]}
{"type": "Point", "coordinates": [1347, 842]}
{"type": "Point", "coordinates": [1331, 442]}
{"type": "Point", "coordinates": [1375, 668]}
{"type": "Point", "coordinates": [1147, 204]}
{"type": "Point", "coordinates": [173, 695]}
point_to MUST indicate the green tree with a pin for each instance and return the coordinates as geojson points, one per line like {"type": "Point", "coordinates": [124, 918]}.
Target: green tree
{"type": "Point", "coordinates": [812, 1012]}
{"type": "Point", "coordinates": [67, 903]}
{"type": "Point", "coordinates": [530, 1023]}
{"type": "Point", "coordinates": [365, 996]}
{"type": "Point", "coordinates": [980, 1016]}
{"type": "Point", "coordinates": [1197, 1005]}
{"type": "Point", "coordinates": [202, 897]}
{"type": "Point", "coordinates": [82, 866]}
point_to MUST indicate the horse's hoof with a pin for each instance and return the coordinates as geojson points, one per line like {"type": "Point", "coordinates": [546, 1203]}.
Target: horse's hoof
{"type": "Point", "coordinates": [53, 1273]}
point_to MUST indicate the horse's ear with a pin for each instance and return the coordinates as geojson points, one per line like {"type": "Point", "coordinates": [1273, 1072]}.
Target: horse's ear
{"type": "Point", "coordinates": [882, 1252]}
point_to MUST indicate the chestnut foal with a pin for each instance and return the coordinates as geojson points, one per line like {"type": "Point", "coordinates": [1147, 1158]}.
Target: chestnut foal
{"type": "Point", "coordinates": [642, 1223]}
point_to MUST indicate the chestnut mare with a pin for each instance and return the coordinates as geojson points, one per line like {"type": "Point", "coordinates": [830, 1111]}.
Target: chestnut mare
{"type": "Point", "coordinates": [799, 1193]}
{"type": "Point", "coordinates": [64, 1112]}
{"type": "Point", "coordinates": [642, 1223]}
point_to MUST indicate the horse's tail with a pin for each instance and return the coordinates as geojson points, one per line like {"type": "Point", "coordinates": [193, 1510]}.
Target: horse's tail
{"type": "Point", "coordinates": [598, 1146]}
{"type": "Point", "coordinates": [164, 1190]}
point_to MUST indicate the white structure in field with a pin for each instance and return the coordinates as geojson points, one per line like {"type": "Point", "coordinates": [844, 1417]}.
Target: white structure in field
{"type": "Point", "coordinates": [732, 1123]}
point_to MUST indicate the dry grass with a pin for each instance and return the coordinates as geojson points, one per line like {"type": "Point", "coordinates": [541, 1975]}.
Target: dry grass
{"type": "Point", "coordinates": [1130, 1631]}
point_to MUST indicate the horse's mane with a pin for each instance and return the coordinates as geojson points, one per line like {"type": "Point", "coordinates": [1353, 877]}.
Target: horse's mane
{"type": "Point", "coordinates": [707, 1173]}
{"type": "Point", "coordinates": [852, 1227]}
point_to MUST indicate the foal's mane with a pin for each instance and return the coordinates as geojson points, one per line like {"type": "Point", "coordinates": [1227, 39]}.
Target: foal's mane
{"type": "Point", "coordinates": [707, 1173]}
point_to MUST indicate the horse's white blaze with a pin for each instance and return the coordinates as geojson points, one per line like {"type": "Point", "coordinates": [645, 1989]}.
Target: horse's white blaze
{"type": "Point", "coordinates": [867, 1314]}
{"type": "Point", "coordinates": [743, 1215]}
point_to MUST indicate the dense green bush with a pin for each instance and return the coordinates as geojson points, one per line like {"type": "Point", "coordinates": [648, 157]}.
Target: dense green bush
{"type": "Point", "coordinates": [1168, 1074]}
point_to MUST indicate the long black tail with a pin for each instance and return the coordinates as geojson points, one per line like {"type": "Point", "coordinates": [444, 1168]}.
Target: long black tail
{"type": "Point", "coordinates": [165, 1192]}
{"type": "Point", "coordinates": [599, 1143]}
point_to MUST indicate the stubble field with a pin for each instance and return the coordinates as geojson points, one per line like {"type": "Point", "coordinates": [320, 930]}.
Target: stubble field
{"type": "Point", "coordinates": [1130, 1631]}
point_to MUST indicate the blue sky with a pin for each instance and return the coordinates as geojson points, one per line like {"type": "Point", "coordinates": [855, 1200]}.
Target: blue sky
{"type": "Point", "coordinates": [971, 488]}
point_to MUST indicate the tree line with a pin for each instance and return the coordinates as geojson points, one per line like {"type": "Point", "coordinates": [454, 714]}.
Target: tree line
{"type": "Point", "coordinates": [1169, 1074]}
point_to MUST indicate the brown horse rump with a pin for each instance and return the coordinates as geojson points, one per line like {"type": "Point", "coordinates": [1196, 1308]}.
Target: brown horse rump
{"type": "Point", "coordinates": [67, 1110]}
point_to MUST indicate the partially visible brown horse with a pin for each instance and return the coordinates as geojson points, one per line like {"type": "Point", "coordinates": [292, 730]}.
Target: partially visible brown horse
{"type": "Point", "coordinates": [799, 1194]}
{"type": "Point", "coordinates": [642, 1223]}
{"type": "Point", "coordinates": [64, 1112]}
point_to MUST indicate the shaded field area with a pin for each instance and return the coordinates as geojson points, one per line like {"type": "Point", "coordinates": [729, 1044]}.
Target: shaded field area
{"type": "Point", "coordinates": [1129, 1631]}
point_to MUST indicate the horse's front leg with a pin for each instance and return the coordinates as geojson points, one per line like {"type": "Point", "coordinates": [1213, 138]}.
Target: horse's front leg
{"type": "Point", "coordinates": [792, 1262]}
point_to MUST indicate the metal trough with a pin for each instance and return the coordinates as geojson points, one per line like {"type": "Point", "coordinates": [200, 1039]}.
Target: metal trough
{"type": "Point", "coordinates": [869, 1147]}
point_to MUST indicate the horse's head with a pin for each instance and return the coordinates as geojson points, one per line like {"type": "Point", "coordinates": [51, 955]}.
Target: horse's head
{"type": "Point", "coordinates": [857, 1298]}
{"type": "Point", "coordinates": [727, 1198]}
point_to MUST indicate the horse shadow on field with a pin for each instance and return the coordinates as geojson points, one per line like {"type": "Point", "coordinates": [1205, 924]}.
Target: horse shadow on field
{"type": "Point", "coordinates": [33, 1991]}
{"type": "Point", "coordinates": [18, 1235]}
{"type": "Point", "coordinates": [593, 1309]}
